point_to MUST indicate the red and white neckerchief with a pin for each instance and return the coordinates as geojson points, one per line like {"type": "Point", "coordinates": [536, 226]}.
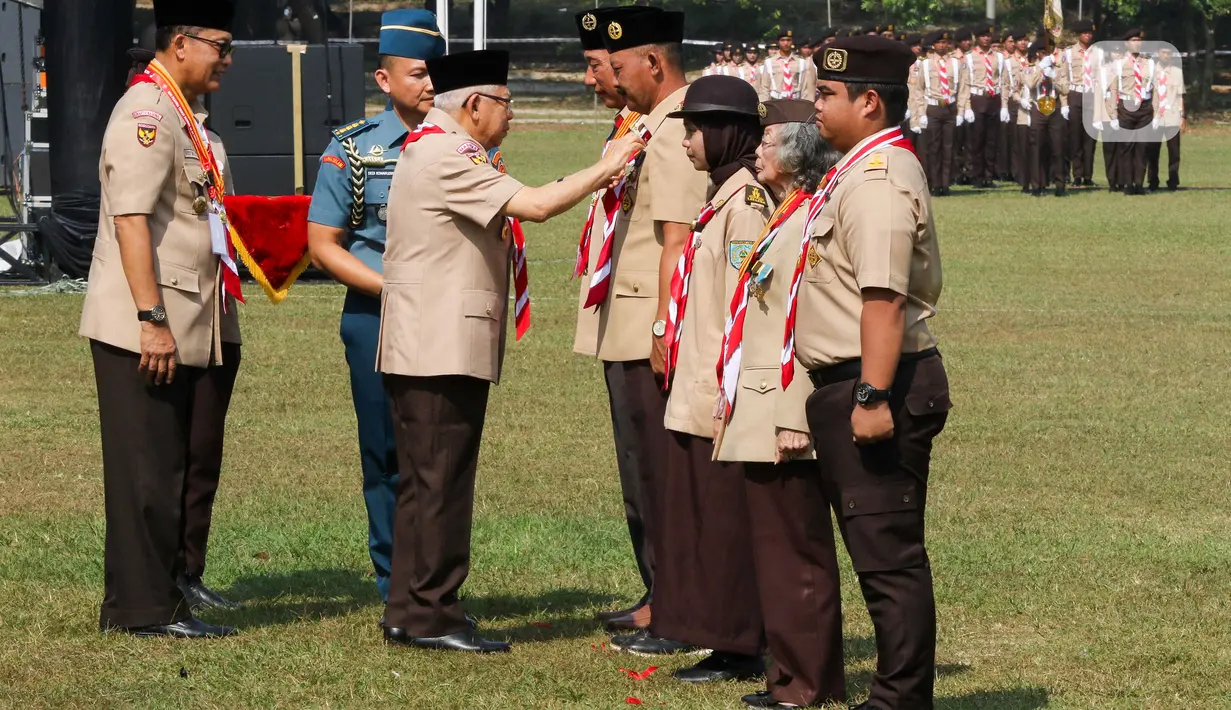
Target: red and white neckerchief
{"type": "Point", "coordinates": [621, 127]}
{"type": "Point", "coordinates": [600, 280]}
{"type": "Point", "coordinates": [1162, 92]}
{"type": "Point", "coordinates": [1087, 79]}
{"type": "Point", "coordinates": [788, 83]}
{"type": "Point", "coordinates": [521, 277]}
{"type": "Point", "coordinates": [731, 356]}
{"type": "Point", "coordinates": [888, 137]}
{"type": "Point", "coordinates": [679, 287]}
{"type": "Point", "coordinates": [987, 62]}
{"type": "Point", "coordinates": [222, 233]}
{"type": "Point", "coordinates": [943, 68]}
{"type": "Point", "coordinates": [1138, 80]}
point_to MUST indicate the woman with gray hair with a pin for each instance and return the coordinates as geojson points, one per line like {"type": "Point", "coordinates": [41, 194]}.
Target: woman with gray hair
{"type": "Point", "coordinates": [794, 555]}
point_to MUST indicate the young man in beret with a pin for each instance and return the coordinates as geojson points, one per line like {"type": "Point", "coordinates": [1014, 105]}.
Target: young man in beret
{"type": "Point", "coordinates": [1130, 103]}
{"type": "Point", "coordinates": [1082, 62]}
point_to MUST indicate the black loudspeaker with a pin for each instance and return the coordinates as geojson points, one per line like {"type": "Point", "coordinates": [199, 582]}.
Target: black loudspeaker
{"type": "Point", "coordinates": [271, 175]}
{"type": "Point", "coordinates": [19, 25]}
{"type": "Point", "coordinates": [252, 111]}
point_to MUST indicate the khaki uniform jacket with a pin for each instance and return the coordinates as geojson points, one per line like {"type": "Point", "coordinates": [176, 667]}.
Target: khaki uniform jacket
{"type": "Point", "coordinates": [773, 76]}
{"type": "Point", "coordinates": [1075, 62]}
{"type": "Point", "coordinates": [694, 382]}
{"type": "Point", "coordinates": [664, 188]}
{"type": "Point", "coordinates": [1014, 89]}
{"type": "Point", "coordinates": [876, 231]}
{"type": "Point", "coordinates": [1121, 83]}
{"type": "Point", "coordinates": [446, 297]}
{"type": "Point", "coordinates": [149, 167]}
{"type": "Point", "coordinates": [978, 73]}
{"type": "Point", "coordinates": [761, 406]}
{"type": "Point", "coordinates": [927, 84]}
{"type": "Point", "coordinates": [1040, 85]}
{"type": "Point", "coordinates": [1170, 107]}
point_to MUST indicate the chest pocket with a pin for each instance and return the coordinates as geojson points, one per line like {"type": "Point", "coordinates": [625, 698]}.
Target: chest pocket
{"type": "Point", "coordinates": [636, 181]}
{"type": "Point", "coordinates": [376, 186]}
{"type": "Point", "coordinates": [819, 266]}
{"type": "Point", "coordinates": [190, 184]}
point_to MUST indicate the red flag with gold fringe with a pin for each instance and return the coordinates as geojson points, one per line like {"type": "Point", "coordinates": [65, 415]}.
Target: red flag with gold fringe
{"type": "Point", "coordinates": [271, 239]}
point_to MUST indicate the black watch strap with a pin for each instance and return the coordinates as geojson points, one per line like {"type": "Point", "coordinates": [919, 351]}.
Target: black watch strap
{"type": "Point", "coordinates": [867, 394]}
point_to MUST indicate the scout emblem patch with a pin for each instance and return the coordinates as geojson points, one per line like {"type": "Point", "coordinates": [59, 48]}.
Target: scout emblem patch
{"type": "Point", "coordinates": [589, 22]}
{"type": "Point", "coordinates": [814, 257]}
{"type": "Point", "coordinates": [614, 30]}
{"type": "Point", "coordinates": [627, 203]}
{"type": "Point", "coordinates": [761, 110]}
{"type": "Point", "coordinates": [835, 60]}
{"type": "Point", "coordinates": [146, 133]}
{"type": "Point", "coordinates": [754, 195]}
{"type": "Point", "coordinates": [738, 252]}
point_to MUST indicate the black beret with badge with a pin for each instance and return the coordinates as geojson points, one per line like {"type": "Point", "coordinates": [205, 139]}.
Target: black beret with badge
{"type": "Point", "coordinates": [1083, 26]}
{"type": "Point", "coordinates": [629, 27]}
{"type": "Point", "coordinates": [1135, 33]}
{"type": "Point", "coordinates": [786, 111]}
{"type": "Point", "coordinates": [466, 69]}
{"type": "Point", "coordinates": [211, 15]}
{"type": "Point", "coordinates": [592, 25]}
{"type": "Point", "coordinates": [871, 59]}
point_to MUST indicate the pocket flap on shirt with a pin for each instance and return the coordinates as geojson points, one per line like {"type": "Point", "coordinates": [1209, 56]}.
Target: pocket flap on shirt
{"type": "Point", "coordinates": [180, 278]}
{"type": "Point", "coordinates": [760, 379]}
{"type": "Point", "coordinates": [636, 284]}
{"type": "Point", "coordinates": [885, 498]}
{"type": "Point", "coordinates": [822, 226]}
{"type": "Point", "coordinates": [481, 304]}
{"type": "Point", "coordinates": [402, 272]}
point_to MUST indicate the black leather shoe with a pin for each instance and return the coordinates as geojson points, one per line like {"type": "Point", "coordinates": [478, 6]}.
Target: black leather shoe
{"type": "Point", "coordinates": [1088, 182]}
{"type": "Point", "coordinates": [190, 628]}
{"type": "Point", "coordinates": [643, 643]}
{"type": "Point", "coordinates": [1060, 191]}
{"type": "Point", "coordinates": [1076, 182]}
{"type": "Point", "coordinates": [759, 699]}
{"type": "Point", "coordinates": [474, 623]}
{"type": "Point", "coordinates": [1173, 186]}
{"type": "Point", "coordinates": [720, 666]}
{"type": "Point", "coordinates": [467, 641]}
{"type": "Point", "coordinates": [200, 596]}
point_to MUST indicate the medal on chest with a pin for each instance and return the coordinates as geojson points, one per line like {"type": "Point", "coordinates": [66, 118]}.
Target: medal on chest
{"type": "Point", "coordinates": [382, 213]}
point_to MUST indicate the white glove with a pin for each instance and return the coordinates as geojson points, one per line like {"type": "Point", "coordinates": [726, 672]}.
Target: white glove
{"type": "Point", "coordinates": [916, 129]}
{"type": "Point", "coordinates": [907, 114]}
{"type": "Point", "coordinates": [1047, 62]}
{"type": "Point", "coordinates": [970, 116]}
{"type": "Point", "coordinates": [1004, 115]}
{"type": "Point", "coordinates": [1027, 119]}
{"type": "Point", "coordinates": [1049, 73]}
{"type": "Point", "coordinates": [959, 119]}
{"type": "Point", "coordinates": [1115, 124]}
{"type": "Point", "coordinates": [1156, 123]}
{"type": "Point", "coordinates": [1098, 125]}
{"type": "Point", "coordinates": [923, 121]}
{"type": "Point", "coordinates": [1064, 111]}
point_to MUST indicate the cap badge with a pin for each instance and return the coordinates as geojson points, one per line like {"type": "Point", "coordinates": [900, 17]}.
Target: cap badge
{"type": "Point", "coordinates": [589, 22]}
{"type": "Point", "coordinates": [761, 110]}
{"type": "Point", "coordinates": [614, 30]}
{"type": "Point", "coordinates": [835, 60]}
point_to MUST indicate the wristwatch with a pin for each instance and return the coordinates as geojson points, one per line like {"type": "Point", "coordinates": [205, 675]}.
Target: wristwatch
{"type": "Point", "coordinates": [156, 315]}
{"type": "Point", "coordinates": [866, 394]}
{"type": "Point", "coordinates": [660, 328]}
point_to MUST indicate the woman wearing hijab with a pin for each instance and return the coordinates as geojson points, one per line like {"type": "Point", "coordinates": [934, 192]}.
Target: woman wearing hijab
{"type": "Point", "coordinates": [794, 554]}
{"type": "Point", "coordinates": [704, 593]}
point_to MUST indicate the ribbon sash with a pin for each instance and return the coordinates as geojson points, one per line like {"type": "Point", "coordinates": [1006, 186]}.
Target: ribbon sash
{"type": "Point", "coordinates": [622, 125]}
{"type": "Point", "coordinates": [679, 288]}
{"type": "Point", "coordinates": [600, 281]}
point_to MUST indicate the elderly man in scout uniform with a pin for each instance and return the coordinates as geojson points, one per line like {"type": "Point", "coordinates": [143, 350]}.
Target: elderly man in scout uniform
{"type": "Point", "coordinates": [160, 313]}
{"type": "Point", "coordinates": [1081, 63]}
{"type": "Point", "coordinates": [647, 229]}
{"type": "Point", "coordinates": [450, 238]}
{"type": "Point", "coordinates": [942, 104]}
{"type": "Point", "coordinates": [785, 75]}
{"type": "Point", "coordinates": [867, 279]}
{"type": "Point", "coordinates": [1131, 106]}
{"type": "Point", "coordinates": [346, 235]}
{"type": "Point", "coordinates": [795, 559]}
{"type": "Point", "coordinates": [984, 67]}
{"type": "Point", "coordinates": [605, 206]}
{"type": "Point", "coordinates": [1169, 119]}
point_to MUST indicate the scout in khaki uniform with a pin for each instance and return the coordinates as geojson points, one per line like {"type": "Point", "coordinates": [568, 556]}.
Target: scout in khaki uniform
{"type": "Point", "coordinates": [1169, 120]}
{"type": "Point", "coordinates": [961, 133]}
{"type": "Point", "coordinates": [592, 27]}
{"type": "Point", "coordinates": [786, 75]}
{"type": "Point", "coordinates": [942, 106]}
{"type": "Point", "coordinates": [1131, 106]}
{"type": "Point", "coordinates": [745, 70]}
{"type": "Point", "coordinates": [1004, 143]}
{"type": "Point", "coordinates": [868, 280]}
{"type": "Point", "coordinates": [984, 67]}
{"type": "Point", "coordinates": [1048, 90]}
{"type": "Point", "coordinates": [752, 54]}
{"type": "Point", "coordinates": [449, 244]}
{"type": "Point", "coordinates": [161, 317]}
{"type": "Point", "coordinates": [631, 287]}
{"type": "Point", "coordinates": [1081, 63]}
{"type": "Point", "coordinates": [1015, 110]}
{"type": "Point", "coordinates": [1108, 131]}
{"type": "Point", "coordinates": [704, 595]}
{"type": "Point", "coordinates": [796, 563]}
{"type": "Point", "coordinates": [717, 66]}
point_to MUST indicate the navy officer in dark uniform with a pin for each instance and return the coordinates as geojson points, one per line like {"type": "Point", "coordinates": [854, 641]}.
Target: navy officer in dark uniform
{"type": "Point", "coordinates": [346, 235]}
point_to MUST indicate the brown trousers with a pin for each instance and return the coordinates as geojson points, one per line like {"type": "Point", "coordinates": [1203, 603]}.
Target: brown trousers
{"type": "Point", "coordinates": [636, 400]}
{"type": "Point", "coordinates": [1154, 153]}
{"type": "Point", "coordinates": [984, 135]}
{"type": "Point", "coordinates": [1047, 134]}
{"type": "Point", "coordinates": [1021, 154]}
{"type": "Point", "coordinates": [1081, 143]}
{"type": "Point", "coordinates": [162, 457]}
{"type": "Point", "coordinates": [438, 424]}
{"type": "Point", "coordinates": [880, 494]}
{"type": "Point", "coordinates": [942, 122]}
{"type": "Point", "coordinates": [1131, 155]}
{"type": "Point", "coordinates": [705, 591]}
{"type": "Point", "coordinates": [797, 576]}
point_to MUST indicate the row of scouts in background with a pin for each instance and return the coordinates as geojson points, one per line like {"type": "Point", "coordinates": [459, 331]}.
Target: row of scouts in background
{"type": "Point", "coordinates": [755, 276]}
{"type": "Point", "coordinates": [1008, 105]}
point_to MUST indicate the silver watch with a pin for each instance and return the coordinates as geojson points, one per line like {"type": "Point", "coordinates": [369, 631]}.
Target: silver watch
{"type": "Point", "coordinates": [660, 328]}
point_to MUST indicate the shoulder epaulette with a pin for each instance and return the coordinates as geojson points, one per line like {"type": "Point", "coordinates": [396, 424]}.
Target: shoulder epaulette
{"type": "Point", "coordinates": [754, 195]}
{"type": "Point", "coordinates": [352, 129]}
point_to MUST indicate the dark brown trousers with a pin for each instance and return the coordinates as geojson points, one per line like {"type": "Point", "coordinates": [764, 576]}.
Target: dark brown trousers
{"type": "Point", "coordinates": [1131, 156]}
{"type": "Point", "coordinates": [984, 135]}
{"type": "Point", "coordinates": [628, 428]}
{"type": "Point", "coordinates": [880, 494]}
{"type": "Point", "coordinates": [1046, 149]}
{"type": "Point", "coordinates": [1081, 143]}
{"type": "Point", "coordinates": [1154, 153]}
{"type": "Point", "coordinates": [705, 591]}
{"type": "Point", "coordinates": [1111, 154]}
{"type": "Point", "coordinates": [942, 122]}
{"type": "Point", "coordinates": [1021, 154]}
{"type": "Point", "coordinates": [1004, 149]}
{"type": "Point", "coordinates": [647, 408]}
{"type": "Point", "coordinates": [162, 454]}
{"type": "Point", "coordinates": [798, 580]}
{"type": "Point", "coordinates": [438, 424]}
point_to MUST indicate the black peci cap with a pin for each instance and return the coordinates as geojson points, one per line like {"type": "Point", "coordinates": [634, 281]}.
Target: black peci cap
{"type": "Point", "coordinates": [1135, 33]}
{"type": "Point", "coordinates": [592, 25]}
{"type": "Point", "coordinates": [786, 111]}
{"type": "Point", "coordinates": [630, 26]}
{"type": "Point", "coordinates": [718, 94]}
{"type": "Point", "coordinates": [208, 14]}
{"type": "Point", "coordinates": [872, 59]}
{"type": "Point", "coordinates": [466, 69]}
{"type": "Point", "coordinates": [1083, 26]}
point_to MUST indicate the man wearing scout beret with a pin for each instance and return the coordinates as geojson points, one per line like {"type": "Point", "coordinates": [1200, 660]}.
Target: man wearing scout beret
{"type": "Point", "coordinates": [867, 282]}
{"type": "Point", "coordinates": [160, 313]}
{"type": "Point", "coordinates": [1130, 103]}
{"type": "Point", "coordinates": [630, 285]}
{"type": "Point", "coordinates": [346, 235]}
{"type": "Point", "coordinates": [943, 105]}
{"type": "Point", "coordinates": [786, 76]}
{"type": "Point", "coordinates": [983, 67]}
{"type": "Point", "coordinates": [1082, 63]}
{"type": "Point", "coordinates": [444, 309]}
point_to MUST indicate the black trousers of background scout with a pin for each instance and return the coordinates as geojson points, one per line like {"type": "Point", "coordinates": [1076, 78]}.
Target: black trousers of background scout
{"type": "Point", "coordinates": [1131, 155]}
{"type": "Point", "coordinates": [438, 423]}
{"type": "Point", "coordinates": [1081, 143]}
{"type": "Point", "coordinates": [1021, 154]}
{"type": "Point", "coordinates": [942, 122]}
{"type": "Point", "coordinates": [627, 384]}
{"type": "Point", "coordinates": [1047, 136]}
{"type": "Point", "coordinates": [1154, 152]}
{"type": "Point", "coordinates": [704, 591]}
{"type": "Point", "coordinates": [984, 135]}
{"type": "Point", "coordinates": [798, 580]}
{"type": "Point", "coordinates": [1004, 150]}
{"type": "Point", "coordinates": [162, 457]}
{"type": "Point", "coordinates": [879, 493]}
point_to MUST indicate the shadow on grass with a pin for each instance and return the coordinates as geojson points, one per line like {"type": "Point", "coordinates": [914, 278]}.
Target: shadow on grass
{"type": "Point", "coordinates": [1018, 699]}
{"type": "Point", "coordinates": [555, 614]}
{"type": "Point", "coordinates": [277, 599]}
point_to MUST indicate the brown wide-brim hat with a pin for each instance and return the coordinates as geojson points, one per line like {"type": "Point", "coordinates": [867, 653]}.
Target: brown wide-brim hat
{"type": "Point", "coordinates": [871, 59]}
{"type": "Point", "coordinates": [718, 95]}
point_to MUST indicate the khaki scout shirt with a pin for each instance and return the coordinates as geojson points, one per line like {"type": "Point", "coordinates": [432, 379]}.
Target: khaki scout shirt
{"type": "Point", "coordinates": [1015, 94]}
{"type": "Point", "coordinates": [979, 74]}
{"type": "Point", "coordinates": [1040, 85]}
{"type": "Point", "coordinates": [446, 297]}
{"type": "Point", "coordinates": [771, 83]}
{"type": "Point", "coordinates": [149, 167]}
{"type": "Point", "coordinates": [875, 231]}
{"type": "Point", "coordinates": [927, 83]}
{"type": "Point", "coordinates": [1076, 60]}
{"type": "Point", "coordinates": [760, 404]}
{"type": "Point", "coordinates": [730, 233]}
{"type": "Point", "coordinates": [665, 188]}
{"type": "Point", "coordinates": [585, 338]}
{"type": "Point", "coordinates": [1122, 82]}
{"type": "Point", "coordinates": [1171, 106]}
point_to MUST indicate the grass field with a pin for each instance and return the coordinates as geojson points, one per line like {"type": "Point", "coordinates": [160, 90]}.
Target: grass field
{"type": "Point", "coordinates": [1079, 518]}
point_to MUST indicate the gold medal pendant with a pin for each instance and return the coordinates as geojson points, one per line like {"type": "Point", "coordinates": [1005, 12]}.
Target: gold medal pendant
{"type": "Point", "coordinates": [200, 204]}
{"type": "Point", "coordinates": [1047, 105]}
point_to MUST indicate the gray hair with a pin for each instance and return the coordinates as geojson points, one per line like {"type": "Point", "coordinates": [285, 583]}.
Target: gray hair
{"type": "Point", "coordinates": [451, 101]}
{"type": "Point", "coordinates": [803, 154]}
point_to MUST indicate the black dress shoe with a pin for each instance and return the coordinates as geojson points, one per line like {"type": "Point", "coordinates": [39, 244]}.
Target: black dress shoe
{"type": "Point", "coordinates": [1060, 191]}
{"type": "Point", "coordinates": [759, 699]}
{"type": "Point", "coordinates": [1173, 186]}
{"type": "Point", "coordinates": [467, 641]}
{"type": "Point", "coordinates": [190, 628]}
{"type": "Point", "coordinates": [643, 643]}
{"type": "Point", "coordinates": [1088, 182]}
{"type": "Point", "coordinates": [474, 624]}
{"type": "Point", "coordinates": [200, 596]}
{"type": "Point", "coordinates": [1076, 182]}
{"type": "Point", "coordinates": [1025, 191]}
{"type": "Point", "coordinates": [721, 666]}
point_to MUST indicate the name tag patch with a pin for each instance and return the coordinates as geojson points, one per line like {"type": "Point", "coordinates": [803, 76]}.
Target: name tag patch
{"type": "Point", "coordinates": [380, 173]}
{"type": "Point", "coordinates": [146, 113]}
{"type": "Point", "coordinates": [469, 147]}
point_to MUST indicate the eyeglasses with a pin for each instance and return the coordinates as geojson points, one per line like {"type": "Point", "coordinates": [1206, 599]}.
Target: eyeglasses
{"type": "Point", "coordinates": [502, 99]}
{"type": "Point", "coordinates": [224, 48]}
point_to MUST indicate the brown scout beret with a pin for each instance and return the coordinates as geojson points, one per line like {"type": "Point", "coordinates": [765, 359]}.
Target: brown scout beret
{"type": "Point", "coordinates": [870, 58]}
{"type": "Point", "coordinates": [786, 111]}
